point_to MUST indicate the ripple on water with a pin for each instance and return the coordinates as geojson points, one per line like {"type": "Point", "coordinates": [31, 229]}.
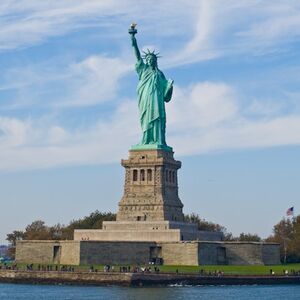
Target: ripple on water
{"type": "Point", "coordinates": [64, 292]}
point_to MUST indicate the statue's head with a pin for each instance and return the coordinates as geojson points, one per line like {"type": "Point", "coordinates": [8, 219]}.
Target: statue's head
{"type": "Point", "coordinates": [151, 58]}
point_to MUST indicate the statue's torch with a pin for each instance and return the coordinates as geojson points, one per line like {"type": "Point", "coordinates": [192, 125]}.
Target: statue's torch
{"type": "Point", "coordinates": [132, 29]}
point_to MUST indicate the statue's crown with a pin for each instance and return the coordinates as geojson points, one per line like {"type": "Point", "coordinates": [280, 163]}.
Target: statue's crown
{"type": "Point", "coordinates": [152, 53]}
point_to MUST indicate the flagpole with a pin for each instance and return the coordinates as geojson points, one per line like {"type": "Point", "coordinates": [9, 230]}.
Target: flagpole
{"type": "Point", "coordinates": [285, 250]}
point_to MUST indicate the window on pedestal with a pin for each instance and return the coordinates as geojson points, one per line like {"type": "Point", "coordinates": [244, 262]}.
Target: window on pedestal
{"type": "Point", "coordinates": [170, 176]}
{"type": "Point", "coordinates": [135, 175]}
{"type": "Point", "coordinates": [173, 176]}
{"type": "Point", "coordinates": [142, 174]}
{"type": "Point", "coordinates": [149, 175]}
{"type": "Point", "coordinates": [166, 175]}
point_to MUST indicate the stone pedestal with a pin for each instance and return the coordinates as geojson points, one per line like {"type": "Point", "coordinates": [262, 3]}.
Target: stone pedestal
{"type": "Point", "coordinates": [150, 231]}
{"type": "Point", "coordinates": [151, 187]}
{"type": "Point", "coordinates": [150, 209]}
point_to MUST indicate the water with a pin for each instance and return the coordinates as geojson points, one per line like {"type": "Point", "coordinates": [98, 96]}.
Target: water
{"type": "Point", "coordinates": [63, 292]}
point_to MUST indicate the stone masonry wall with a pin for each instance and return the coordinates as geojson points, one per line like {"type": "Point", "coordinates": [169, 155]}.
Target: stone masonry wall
{"type": "Point", "coordinates": [238, 253]}
{"type": "Point", "coordinates": [244, 253]}
{"type": "Point", "coordinates": [70, 253]}
{"type": "Point", "coordinates": [208, 254]}
{"type": "Point", "coordinates": [127, 236]}
{"type": "Point", "coordinates": [173, 253]}
{"type": "Point", "coordinates": [271, 254]}
{"type": "Point", "coordinates": [181, 253]}
{"type": "Point", "coordinates": [34, 252]}
{"type": "Point", "coordinates": [113, 253]}
{"type": "Point", "coordinates": [151, 187]}
{"type": "Point", "coordinates": [43, 252]}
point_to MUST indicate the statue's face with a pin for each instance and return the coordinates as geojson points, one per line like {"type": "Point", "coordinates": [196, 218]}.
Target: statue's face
{"type": "Point", "coordinates": [151, 60]}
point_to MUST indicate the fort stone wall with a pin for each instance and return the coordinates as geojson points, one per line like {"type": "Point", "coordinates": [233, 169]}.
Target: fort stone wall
{"type": "Point", "coordinates": [181, 253]}
{"type": "Point", "coordinates": [271, 254]}
{"type": "Point", "coordinates": [115, 253]}
{"type": "Point", "coordinates": [48, 252]}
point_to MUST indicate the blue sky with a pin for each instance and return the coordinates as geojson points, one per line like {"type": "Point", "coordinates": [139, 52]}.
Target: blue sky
{"type": "Point", "coordinates": [68, 110]}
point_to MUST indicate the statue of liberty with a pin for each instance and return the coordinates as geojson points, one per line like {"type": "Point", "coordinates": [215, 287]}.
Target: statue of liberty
{"type": "Point", "coordinates": [153, 91]}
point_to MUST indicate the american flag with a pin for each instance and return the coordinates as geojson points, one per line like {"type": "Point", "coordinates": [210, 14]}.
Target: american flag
{"type": "Point", "coordinates": [290, 211]}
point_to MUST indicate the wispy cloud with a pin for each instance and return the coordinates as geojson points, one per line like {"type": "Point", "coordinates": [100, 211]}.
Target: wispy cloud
{"type": "Point", "coordinates": [34, 144]}
{"type": "Point", "coordinates": [203, 29]}
{"type": "Point", "coordinates": [237, 28]}
{"type": "Point", "coordinates": [88, 82]}
{"type": "Point", "coordinates": [276, 23]}
{"type": "Point", "coordinates": [200, 46]}
{"type": "Point", "coordinates": [94, 80]}
{"type": "Point", "coordinates": [27, 22]}
{"type": "Point", "coordinates": [202, 105]}
{"type": "Point", "coordinates": [208, 118]}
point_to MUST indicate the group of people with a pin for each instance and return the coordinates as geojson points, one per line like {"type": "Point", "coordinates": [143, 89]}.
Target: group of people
{"type": "Point", "coordinates": [5, 266]}
{"type": "Point", "coordinates": [39, 267]}
{"type": "Point", "coordinates": [287, 272]}
{"type": "Point", "coordinates": [126, 269]}
{"type": "Point", "coordinates": [92, 269]}
{"type": "Point", "coordinates": [217, 273]}
{"type": "Point", "coordinates": [63, 268]}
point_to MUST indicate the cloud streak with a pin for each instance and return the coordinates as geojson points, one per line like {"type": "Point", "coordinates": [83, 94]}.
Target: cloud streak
{"type": "Point", "coordinates": [207, 119]}
{"type": "Point", "coordinates": [94, 80]}
{"type": "Point", "coordinates": [204, 30]}
{"type": "Point", "coordinates": [88, 82]}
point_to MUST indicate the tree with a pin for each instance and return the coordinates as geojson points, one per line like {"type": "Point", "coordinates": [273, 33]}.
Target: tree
{"type": "Point", "coordinates": [295, 242]}
{"type": "Point", "coordinates": [249, 237]}
{"type": "Point", "coordinates": [203, 224]}
{"type": "Point", "coordinates": [287, 234]}
{"type": "Point", "coordinates": [37, 230]}
{"type": "Point", "coordinates": [12, 238]}
{"type": "Point", "coordinates": [93, 221]}
{"type": "Point", "coordinates": [57, 232]}
{"type": "Point", "coordinates": [15, 236]}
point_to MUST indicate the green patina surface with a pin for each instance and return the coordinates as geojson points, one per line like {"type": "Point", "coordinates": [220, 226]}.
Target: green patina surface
{"type": "Point", "coordinates": [151, 147]}
{"type": "Point", "coordinates": [153, 91]}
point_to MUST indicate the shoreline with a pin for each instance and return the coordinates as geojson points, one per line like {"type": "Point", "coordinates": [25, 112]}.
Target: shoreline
{"type": "Point", "coordinates": [138, 279]}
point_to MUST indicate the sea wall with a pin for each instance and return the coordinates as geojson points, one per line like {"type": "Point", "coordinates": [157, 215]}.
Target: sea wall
{"type": "Point", "coordinates": [65, 277]}
{"type": "Point", "coordinates": [137, 279]}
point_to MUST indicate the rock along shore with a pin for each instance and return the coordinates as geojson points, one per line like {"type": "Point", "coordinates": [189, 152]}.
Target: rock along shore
{"type": "Point", "coordinates": [137, 279]}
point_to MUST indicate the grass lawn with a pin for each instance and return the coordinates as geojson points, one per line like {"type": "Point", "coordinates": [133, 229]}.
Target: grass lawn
{"type": "Point", "coordinates": [233, 270]}
{"type": "Point", "coordinates": [230, 270]}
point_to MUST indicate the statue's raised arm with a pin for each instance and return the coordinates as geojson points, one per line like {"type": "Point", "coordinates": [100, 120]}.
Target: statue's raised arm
{"type": "Point", "coordinates": [132, 31]}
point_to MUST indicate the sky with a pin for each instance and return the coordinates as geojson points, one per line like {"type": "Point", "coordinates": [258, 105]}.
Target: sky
{"type": "Point", "coordinates": [68, 106]}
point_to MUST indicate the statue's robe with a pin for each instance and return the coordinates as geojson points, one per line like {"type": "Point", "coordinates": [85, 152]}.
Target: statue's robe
{"type": "Point", "coordinates": [153, 90]}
